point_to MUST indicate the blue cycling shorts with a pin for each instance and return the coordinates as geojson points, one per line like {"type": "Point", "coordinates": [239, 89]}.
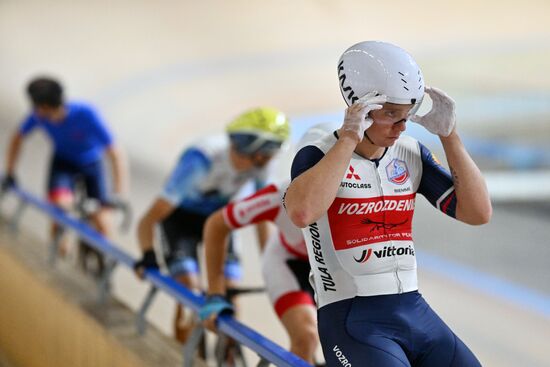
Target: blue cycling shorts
{"type": "Point", "coordinates": [182, 233]}
{"type": "Point", "coordinates": [63, 176]}
{"type": "Point", "coordinates": [395, 330]}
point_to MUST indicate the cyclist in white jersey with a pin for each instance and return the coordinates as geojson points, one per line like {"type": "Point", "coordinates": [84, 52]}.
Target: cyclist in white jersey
{"type": "Point", "coordinates": [208, 173]}
{"type": "Point", "coordinates": [354, 194]}
{"type": "Point", "coordinates": [285, 266]}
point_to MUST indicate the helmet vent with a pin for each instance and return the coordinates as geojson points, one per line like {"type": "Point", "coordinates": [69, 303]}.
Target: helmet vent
{"type": "Point", "coordinates": [403, 80]}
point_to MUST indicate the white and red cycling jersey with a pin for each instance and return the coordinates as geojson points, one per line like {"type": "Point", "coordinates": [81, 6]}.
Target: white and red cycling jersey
{"type": "Point", "coordinates": [366, 234]}
{"type": "Point", "coordinates": [285, 265]}
{"type": "Point", "coordinates": [266, 204]}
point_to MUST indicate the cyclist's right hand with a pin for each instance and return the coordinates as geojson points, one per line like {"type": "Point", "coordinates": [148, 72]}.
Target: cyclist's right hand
{"type": "Point", "coordinates": [148, 261]}
{"type": "Point", "coordinates": [8, 182]}
{"type": "Point", "coordinates": [357, 118]}
{"type": "Point", "coordinates": [215, 305]}
{"type": "Point", "coordinates": [118, 202]}
{"type": "Point", "coordinates": [121, 204]}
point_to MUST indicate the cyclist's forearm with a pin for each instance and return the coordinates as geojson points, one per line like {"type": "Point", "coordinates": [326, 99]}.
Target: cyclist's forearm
{"type": "Point", "coordinates": [119, 169]}
{"type": "Point", "coordinates": [145, 233]}
{"type": "Point", "coordinates": [13, 152]}
{"type": "Point", "coordinates": [160, 209]}
{"type": "Point", "coordinates": [473, 201]}
{"type": "Point", "coordinates": [310, 195]}
{"type": "Point", "coordinates": [263, 229]}
{"type": "Point", "coordinates": [215, 233]}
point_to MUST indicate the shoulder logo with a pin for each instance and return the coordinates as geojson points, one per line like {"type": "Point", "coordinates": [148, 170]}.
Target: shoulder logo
{"type": "Point", "coordinates": [397, 171]}
{"type": "Point", "coordinates": [352, 174]}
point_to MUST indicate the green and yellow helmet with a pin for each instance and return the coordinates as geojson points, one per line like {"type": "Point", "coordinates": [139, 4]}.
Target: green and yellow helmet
{"type": "Point", "coordinates": [261, 130]}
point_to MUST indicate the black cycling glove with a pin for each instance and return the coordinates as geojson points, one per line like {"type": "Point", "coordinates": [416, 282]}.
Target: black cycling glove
{"type": "Point", "coordinates": [7, 183]}
{"type": "Point", "coordinates": [148, 261]}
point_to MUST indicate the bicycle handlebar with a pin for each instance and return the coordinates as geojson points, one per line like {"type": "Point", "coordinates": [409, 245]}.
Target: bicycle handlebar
{"type": "Point", "coordinates": [237, 291]}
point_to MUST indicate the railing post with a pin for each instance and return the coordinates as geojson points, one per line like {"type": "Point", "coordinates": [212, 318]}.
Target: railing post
{"type": "Point", "coordinates": [2, 196]}
{"type": "Point", "coordinates": [225, 344]}
{"type": "Point", "coordinates": [54, 246]}
{"type": "Point", "coordinates": [140, 318]}
{"type": "Point", "coordinates": [190, 347]}
{"type": "Point", "coordinates": [104, 283]}
{"type": "Point", "coordinates": [221, 345]}
{"type": "Point", "coordinates": [16, 218]}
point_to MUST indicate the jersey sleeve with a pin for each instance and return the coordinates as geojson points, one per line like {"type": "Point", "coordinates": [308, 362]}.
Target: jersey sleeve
{"type": "Point", "coordinates": [306, 158]}
{"type": "Point", "coordinates": [28, 125]}
{"type": "Point", "coordinates": [263, 205]}
{"type": "Point", "coordinates": [436, 184]}
{"type": "Point", "coordinates": [102, 133]}
{"type": "Point", "coordinates": [192, 167]}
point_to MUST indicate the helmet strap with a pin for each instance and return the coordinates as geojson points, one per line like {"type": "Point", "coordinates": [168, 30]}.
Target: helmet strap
{"type": "Point", "coordinates": [368, 138]}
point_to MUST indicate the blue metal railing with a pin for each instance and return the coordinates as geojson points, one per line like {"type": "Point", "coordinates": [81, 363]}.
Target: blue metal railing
{"type": "Point", "coordinates": [265, 348]}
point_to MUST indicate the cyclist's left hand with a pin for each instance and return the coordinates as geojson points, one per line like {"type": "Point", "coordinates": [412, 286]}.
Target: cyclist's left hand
{"type": "Point", "coordinates": [121, 204]}
{"type": "Point", "coordinates": [8, 182]}
{"type": "Point", "coordinates": [118, 202]}
{"type": "Point", "coordinates": [441, 119]}
{"type": "Point", "coordinates": [148, 261]}
{"type": "Point", "coordinates": [215, 305]}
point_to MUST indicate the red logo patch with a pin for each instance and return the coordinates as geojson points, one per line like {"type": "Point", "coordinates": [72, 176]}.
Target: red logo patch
{"type": "Point", "coordinates": [352, 173]}
{"type": "Point", "coordinates": [360, 222]}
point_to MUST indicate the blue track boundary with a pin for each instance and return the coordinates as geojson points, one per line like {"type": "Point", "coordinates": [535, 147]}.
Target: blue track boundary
{"type": "Point", "coordinates": [246, 336]}
{"type": "Point", "coordinates": [488, 284]}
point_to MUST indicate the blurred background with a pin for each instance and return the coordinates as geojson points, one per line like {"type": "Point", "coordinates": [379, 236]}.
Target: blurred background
{"type": "Point", "coordinates": [164, 73]}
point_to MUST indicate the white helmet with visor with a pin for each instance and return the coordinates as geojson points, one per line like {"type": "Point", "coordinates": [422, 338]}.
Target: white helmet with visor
{"type": "Point", "coordinates": [382, 67]}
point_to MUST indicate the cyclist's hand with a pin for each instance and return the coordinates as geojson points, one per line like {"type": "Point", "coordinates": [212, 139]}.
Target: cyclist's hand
{"type": "Point", "coordinates": [215, 305]}
{"type": "Point", "coordinates": [118, 202]}
{"type": "Point", "coordinates": [8, 182]}
{"type": "Point", "coordinates": [148, 261]}
{"type": "Point", "coordinates": [356, 120]}
{"type": "Point", "coordinates": [122, 205]}
{"type": "Point", "coordinates": [441, 118]}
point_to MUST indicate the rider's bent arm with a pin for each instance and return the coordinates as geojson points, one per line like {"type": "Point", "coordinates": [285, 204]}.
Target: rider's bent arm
{"type": "Point", "coordinates": [118, 165]}
{"type": "Point", "coordinates": [263, 230]}
{"type": "Point", "coordinates": [146, 227]}
{"type": "Point", "coordinates": [473, 202]}
{"type": "Point", "coordinates": [312, 192]}
{"type": "Point", "coordinates": [215, 233]}
{"type": "Point", "coordinates": [13, 152]}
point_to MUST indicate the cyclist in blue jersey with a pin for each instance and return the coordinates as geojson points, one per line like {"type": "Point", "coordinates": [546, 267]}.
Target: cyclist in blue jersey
{"type": "Point", "coordinates": [208, 173]}
{"type": "Point", "coordinates": [80, 138]}
{"type": "Point", "coordinates": [353, 193]}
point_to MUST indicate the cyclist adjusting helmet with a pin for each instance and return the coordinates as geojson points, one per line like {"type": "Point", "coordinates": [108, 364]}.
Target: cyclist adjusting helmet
{"type": "Point", "coordinates": [353, 193]}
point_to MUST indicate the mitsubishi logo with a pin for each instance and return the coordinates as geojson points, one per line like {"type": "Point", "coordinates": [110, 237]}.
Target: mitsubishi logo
{"type": "Point", "coordinates": [352, 174]}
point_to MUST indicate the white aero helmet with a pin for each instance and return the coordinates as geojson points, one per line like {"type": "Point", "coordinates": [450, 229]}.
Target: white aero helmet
{"type": "Point", "coordinates": [382, 67]}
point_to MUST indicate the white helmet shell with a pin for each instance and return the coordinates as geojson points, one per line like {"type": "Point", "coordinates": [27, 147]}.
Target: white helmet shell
{"type": "Point", "coordinates": [382, 67]}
